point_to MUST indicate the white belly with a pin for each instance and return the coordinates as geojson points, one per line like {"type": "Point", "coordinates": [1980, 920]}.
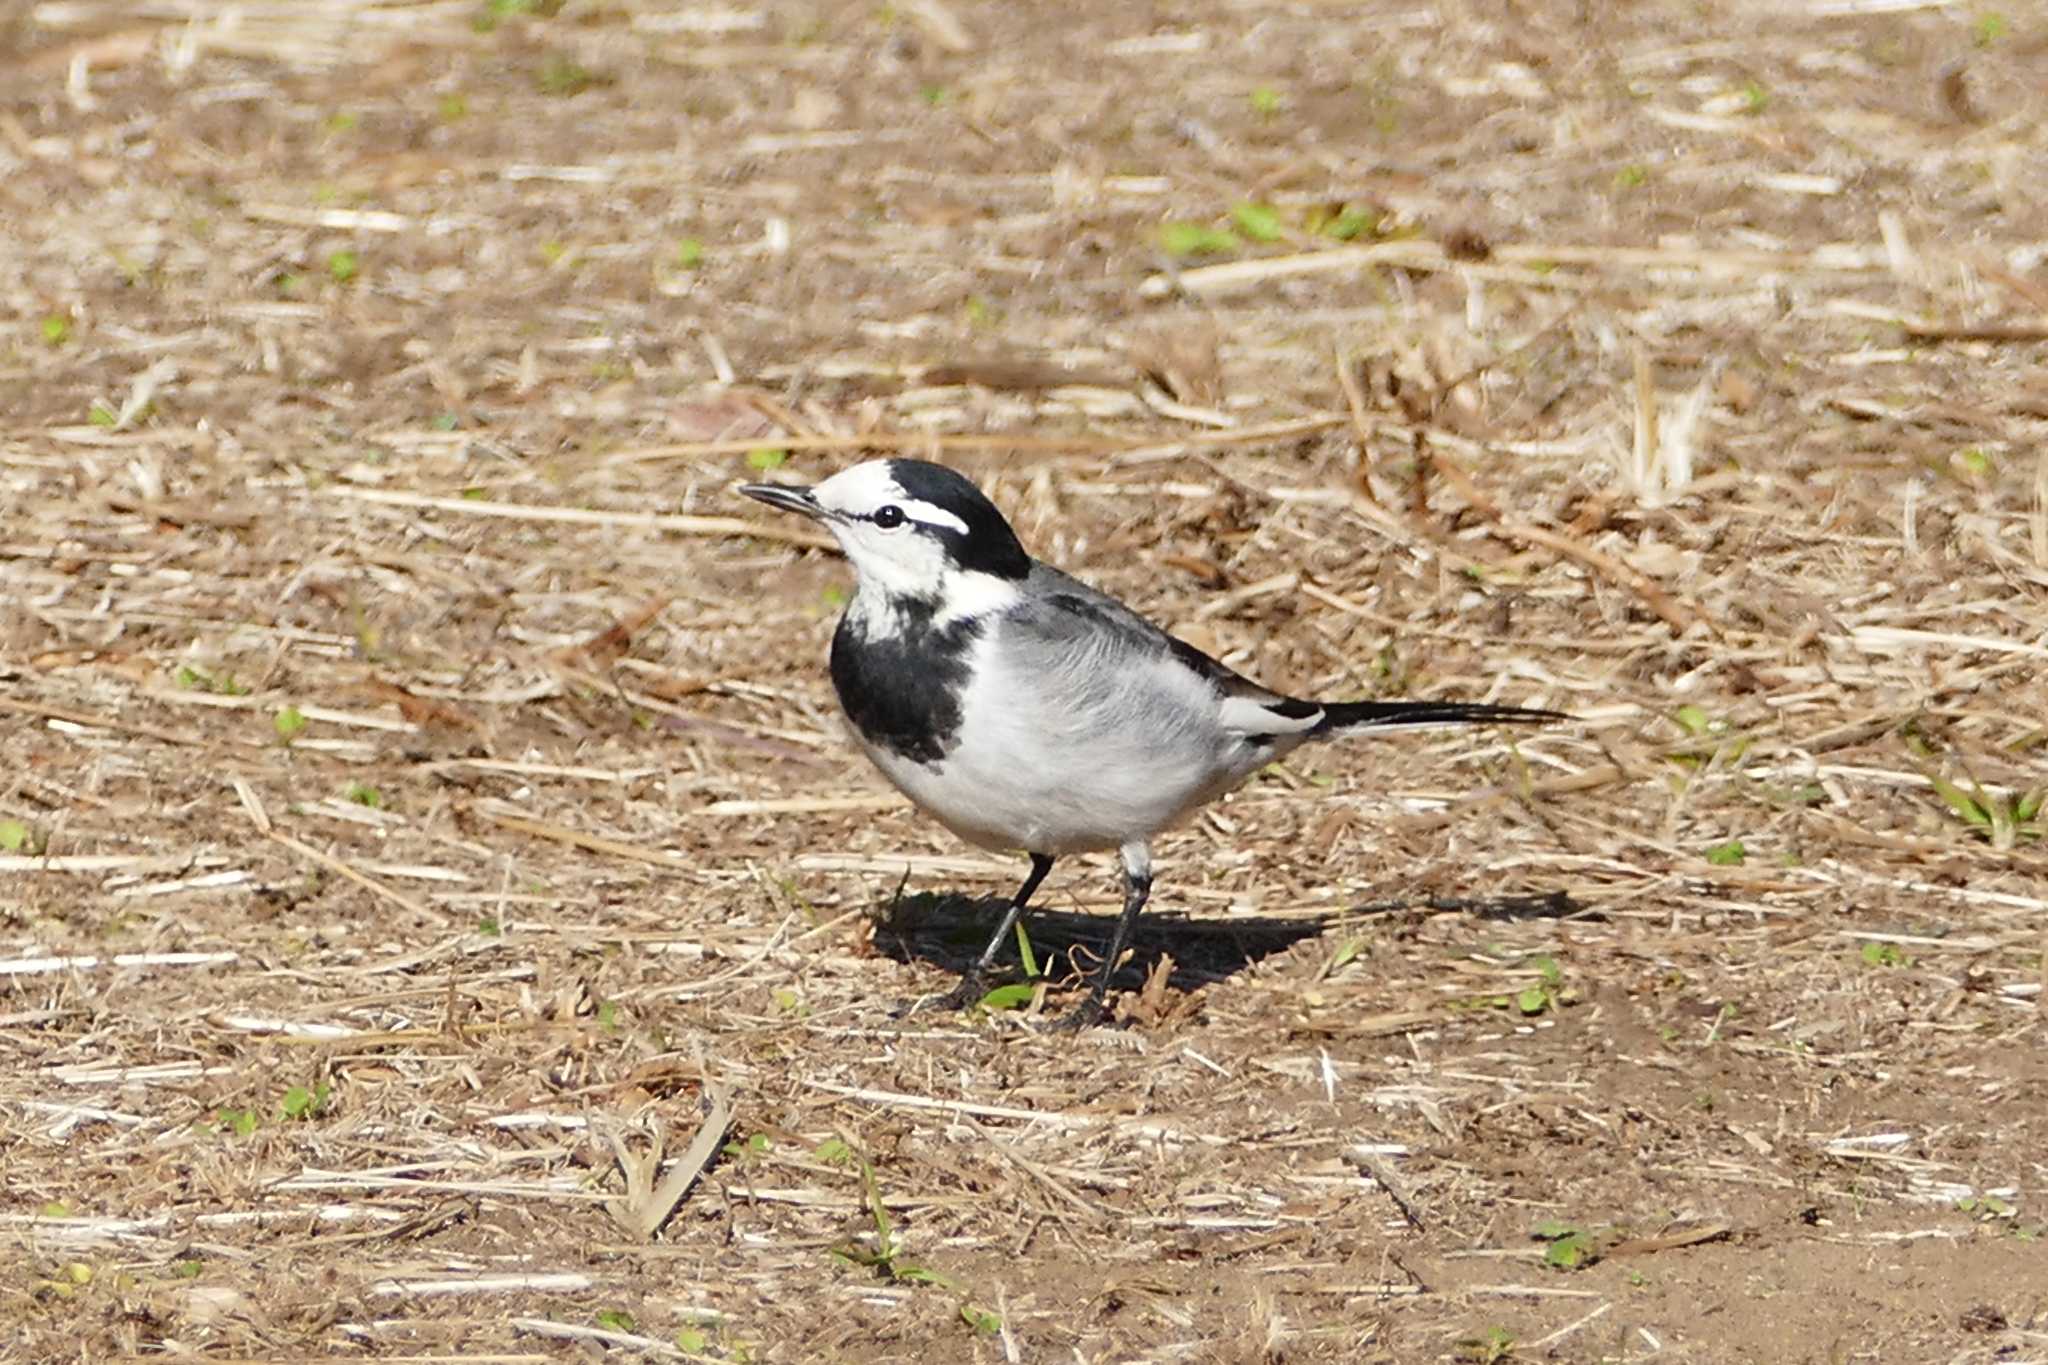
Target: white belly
{"type": "Point", "coordinates": [1057, 768]}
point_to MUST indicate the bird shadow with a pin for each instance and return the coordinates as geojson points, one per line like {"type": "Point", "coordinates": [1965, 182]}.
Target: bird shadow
{"type": "Point", "coordinates": [949, 930]}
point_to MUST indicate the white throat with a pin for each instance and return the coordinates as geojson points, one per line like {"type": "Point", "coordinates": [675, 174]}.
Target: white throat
{"type": "Point", "coordinates": [877, 601]}
{"type": "Point", "coordinates": [968, 595]}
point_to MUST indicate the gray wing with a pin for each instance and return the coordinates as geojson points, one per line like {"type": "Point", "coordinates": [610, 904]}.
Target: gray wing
{"type": "Point", "coordinates": [1098, 650]}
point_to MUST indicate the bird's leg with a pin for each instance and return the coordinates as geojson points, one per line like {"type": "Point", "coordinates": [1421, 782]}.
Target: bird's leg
{"type": "Point", "coordinates": [970, 988]}
{"type": "Point", "coordinates": [1137, 888]}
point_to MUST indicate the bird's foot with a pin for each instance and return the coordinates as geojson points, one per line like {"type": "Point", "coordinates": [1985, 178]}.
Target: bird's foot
{"type": "Point", "coordinates": [962, 997]}
{"type": "Point", "coordinates": [1086, 1015]}
{"type": "Point", "coordinates": [955, 1001]}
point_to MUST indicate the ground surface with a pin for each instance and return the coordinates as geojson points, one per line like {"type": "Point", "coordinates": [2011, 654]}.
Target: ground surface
{"type": "Point", "coordinates": [421, 782]}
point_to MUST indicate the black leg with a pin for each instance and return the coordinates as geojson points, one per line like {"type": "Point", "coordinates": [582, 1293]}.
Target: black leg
{"type": "Point", "coordinates": [970, 988]}
{"type": "Point", "coordinates": [1137, 888]}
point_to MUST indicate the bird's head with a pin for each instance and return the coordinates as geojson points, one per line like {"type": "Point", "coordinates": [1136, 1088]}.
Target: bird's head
{"type": "Point", "coordinates": [913, 530]}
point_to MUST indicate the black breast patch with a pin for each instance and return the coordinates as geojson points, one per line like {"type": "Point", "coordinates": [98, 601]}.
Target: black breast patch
{"type": "Point", "coordinates": [902, 690]}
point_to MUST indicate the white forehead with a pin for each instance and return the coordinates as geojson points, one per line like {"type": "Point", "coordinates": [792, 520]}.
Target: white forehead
{"type": "Point", "coordinates": [862, 488]}
{"type": "Point", "coordinates": [865, 487]}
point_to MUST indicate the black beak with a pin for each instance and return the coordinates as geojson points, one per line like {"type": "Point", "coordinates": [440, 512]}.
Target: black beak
{"type": "Point", "coordinates": [788, 497]}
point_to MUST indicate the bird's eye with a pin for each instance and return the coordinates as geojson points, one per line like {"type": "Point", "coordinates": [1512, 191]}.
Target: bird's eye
{"type": "Point", "coordinates": [889, 516]}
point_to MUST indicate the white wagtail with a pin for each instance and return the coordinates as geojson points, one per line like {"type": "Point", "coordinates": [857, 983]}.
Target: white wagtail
{"type": "Point", "coordinates": [1024, 709]}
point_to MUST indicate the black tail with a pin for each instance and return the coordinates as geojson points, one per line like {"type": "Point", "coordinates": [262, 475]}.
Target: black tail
{"type": "Point", "coordinates": [1341, 716]}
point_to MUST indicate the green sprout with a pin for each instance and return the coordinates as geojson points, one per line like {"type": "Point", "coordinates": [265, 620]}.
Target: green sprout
{"type": "Point", "coordinates": [1548, 992]}
{"type": "Point", "coordinates": [564, 76]}
{"type": "Point", "coordinates": [1497, 1346]}
{"type": "Point", "coordinates": [1985, 1207]}
{"type": "Point", "coordinates": [1566, 1247]}
{"type": "Point", "coordinates": [223, 684]}
{"type": "Point", "coordinates": [1730, 854]}
{"type": "Point", "coordinates": [240, 1122]}
{"type": "Point", "coordinates": [753, 1149]}
{"type": "Point", "coordinates": [2002, 819]}
{"type": "Point", "coordinates": [1346, 224]}
{"type": "Point", "coordinates": [887, 1258]}
{"type": "Point", "coordinates": [1196, 239]}
{"type": "Point", "coordinates": [301, 1104]}
{"type": "Point", "coordinates": [1347, 953]}
{"type": "Point", "coordinates": [1698, 724]}
{"type": "Point", "coordinates": [1258, 222]}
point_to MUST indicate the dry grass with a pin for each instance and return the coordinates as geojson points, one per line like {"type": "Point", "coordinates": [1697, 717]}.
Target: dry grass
{"type": "Point", "coordinates": [408, 731]}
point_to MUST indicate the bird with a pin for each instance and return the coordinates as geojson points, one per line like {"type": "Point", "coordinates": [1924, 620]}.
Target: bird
{"type": "Point", "coordinates": [1027, 711]}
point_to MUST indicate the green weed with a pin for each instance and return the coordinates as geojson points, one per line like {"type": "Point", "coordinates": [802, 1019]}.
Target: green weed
{"type": "Point", "coordinates": [886, 1258]}
{"type": "Point", "coordinates": [1715, 734]}
{"type": "Point", "coordinates": [1546, 995]}
{"type": "Point", "coordinates": [241, 1122]}
{"type": "Point", "coordinates": [2003, 819]}
{"type": "Point", "coordinates": [1985, 1208]}
{"type": "Point", "coordinates": [1196, 239]}
{"type": "Point", "coordinates": [1497, 1346]}
{"type": "Point", "coordinates": [224, 684]}
{"type": "Point", "coordinates": [1566, 1247]}
{"type": "Point", "coordinates": [1730, 854]}
{"type": "Point", "coordinates": [1258, 222]}
{"type": "Point", "coordinates": [564, 76]}
{"type": "Point", "coordinates": [302, 1104]}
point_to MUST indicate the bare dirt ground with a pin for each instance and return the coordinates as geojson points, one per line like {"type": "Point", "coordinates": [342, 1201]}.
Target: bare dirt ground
{"type": "Point", "coordinates": [423, 797]}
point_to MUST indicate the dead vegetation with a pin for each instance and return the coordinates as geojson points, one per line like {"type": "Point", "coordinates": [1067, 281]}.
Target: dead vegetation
{"type": "Point", "coordinates": [430, 856]}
